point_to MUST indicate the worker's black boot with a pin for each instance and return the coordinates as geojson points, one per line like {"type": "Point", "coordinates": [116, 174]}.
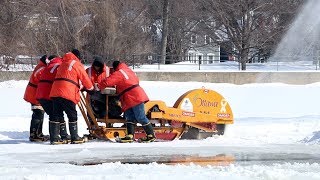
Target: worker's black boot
{"type": "Point", "coordinates": [130, 134]}
{"type": "Point", "coordinates": [150, 134]}
{"type": "Point", "coordinates": [36, 131]}
{"type": "Point", "coordinates": [127, 139]}
{"type": "Point", "coordinates": [54, 129]}
{"type": "Point", "coordinates": [73, 128]}
{"type": "Point", "coordinates": [40, 134]}
{"type": "Point", "coordinates": [36, 126]}
{"type": "Point", "coordinates": [63, 133]}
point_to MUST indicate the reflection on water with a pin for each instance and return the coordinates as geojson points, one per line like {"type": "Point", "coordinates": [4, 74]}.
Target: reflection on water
{"type": "Point", "coordinates": [217, 160]}
{"type": "Point", "coordinates": [248, 158]}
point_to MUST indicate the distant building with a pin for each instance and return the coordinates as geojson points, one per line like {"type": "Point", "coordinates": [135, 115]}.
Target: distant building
{"type": "Point", "coordinates": [202, 47]}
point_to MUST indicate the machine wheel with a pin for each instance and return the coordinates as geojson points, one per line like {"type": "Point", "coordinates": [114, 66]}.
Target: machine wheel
{"type": "Point", "coordinates": [191, 133]}
{"type": "Point", "coordinates": [195, 133]}
{"type": "Point", "coordinates": [220, 129]}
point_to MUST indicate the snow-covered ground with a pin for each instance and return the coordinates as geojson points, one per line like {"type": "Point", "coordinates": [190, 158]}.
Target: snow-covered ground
{"type": "Point", "coordinates": [275, 136]}
{"type": "Point", "coordinates": [231, 66]}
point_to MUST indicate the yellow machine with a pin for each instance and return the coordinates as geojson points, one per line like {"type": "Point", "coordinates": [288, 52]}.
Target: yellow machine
{"type": "Point", "coordinates": [197, 114]}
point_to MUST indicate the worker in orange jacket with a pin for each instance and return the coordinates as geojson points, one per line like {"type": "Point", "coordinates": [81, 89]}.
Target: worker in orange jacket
{"type": "Point", "coordinates": [44, 88]}
{"type": "Point", "coordinates": [36, 123]}
{"type": "Point", "coordinates": [65, 94]}
{"type": "Point", "coordinates": [132, 98]}
{"type": "Point", "coordinates": [98, 70]}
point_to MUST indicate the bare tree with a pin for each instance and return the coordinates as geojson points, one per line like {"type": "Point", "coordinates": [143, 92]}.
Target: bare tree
{"type": "Point", "coordinates": [54, 27]}
{"type": "Point", "coordinates": [165, 27]}
{"type": "Point", "coordinates": [12, 23]}
{"type": "Point", "coordinates": [249, 25]}
{"type": "Point", "coordinates": [119, 28]}
{"type": "Point", "coordinates": [183, 21]}
{"type": "Point", "coordinates": [182, 18]}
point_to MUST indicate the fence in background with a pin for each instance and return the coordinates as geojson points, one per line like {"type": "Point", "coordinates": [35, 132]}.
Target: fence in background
{"type": "Point", "coordinates": [153, 62]}
{"type": "Point", "coordinates": [181, 63]}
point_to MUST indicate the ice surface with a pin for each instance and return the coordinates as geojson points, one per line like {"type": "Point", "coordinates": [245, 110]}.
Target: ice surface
{"type": "Point", "coordinates": [275, 136]}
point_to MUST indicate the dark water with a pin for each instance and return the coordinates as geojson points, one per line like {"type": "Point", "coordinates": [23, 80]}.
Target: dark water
{"type": "Point", "coordinates": [216, 156]}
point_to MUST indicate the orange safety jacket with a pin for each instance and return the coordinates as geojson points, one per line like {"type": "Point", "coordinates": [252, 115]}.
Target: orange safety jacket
{"type": "Point", "coordinates": [70, 77]}
{"type": "Point", "coordinates": [127, 85]}
{"type": "Point", "coordinates": [47, 78]}
{"type": "Point", "coordinates": [96, 76]}
{"type": "Point", "coordinates": [31, 89]}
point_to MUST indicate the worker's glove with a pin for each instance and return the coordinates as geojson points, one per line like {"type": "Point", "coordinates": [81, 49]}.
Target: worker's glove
{"type": "Point", "coordinates": [83, 90]}
{"type": "Point", "coordinates": [96, 87]}
{"type": "Point", "coordinates": [88, 91]}
{"type": "Point", "coordinates": [91, 91]}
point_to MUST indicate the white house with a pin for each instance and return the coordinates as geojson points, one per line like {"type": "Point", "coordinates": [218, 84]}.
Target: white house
{"type": "Point", "coordinates": [203, 49]}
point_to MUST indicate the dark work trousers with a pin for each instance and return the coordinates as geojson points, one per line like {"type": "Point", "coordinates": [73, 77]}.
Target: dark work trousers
{"type": "Point", "coordinates": [47, 106]}
{"type": "Point", "coordinates": [61, 105]}
{"type": "Point", "coordinates": [37, 113]}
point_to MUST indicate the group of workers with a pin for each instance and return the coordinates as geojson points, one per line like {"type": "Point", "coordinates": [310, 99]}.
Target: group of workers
{"type": "Point", "coordinates": [54, 88]}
